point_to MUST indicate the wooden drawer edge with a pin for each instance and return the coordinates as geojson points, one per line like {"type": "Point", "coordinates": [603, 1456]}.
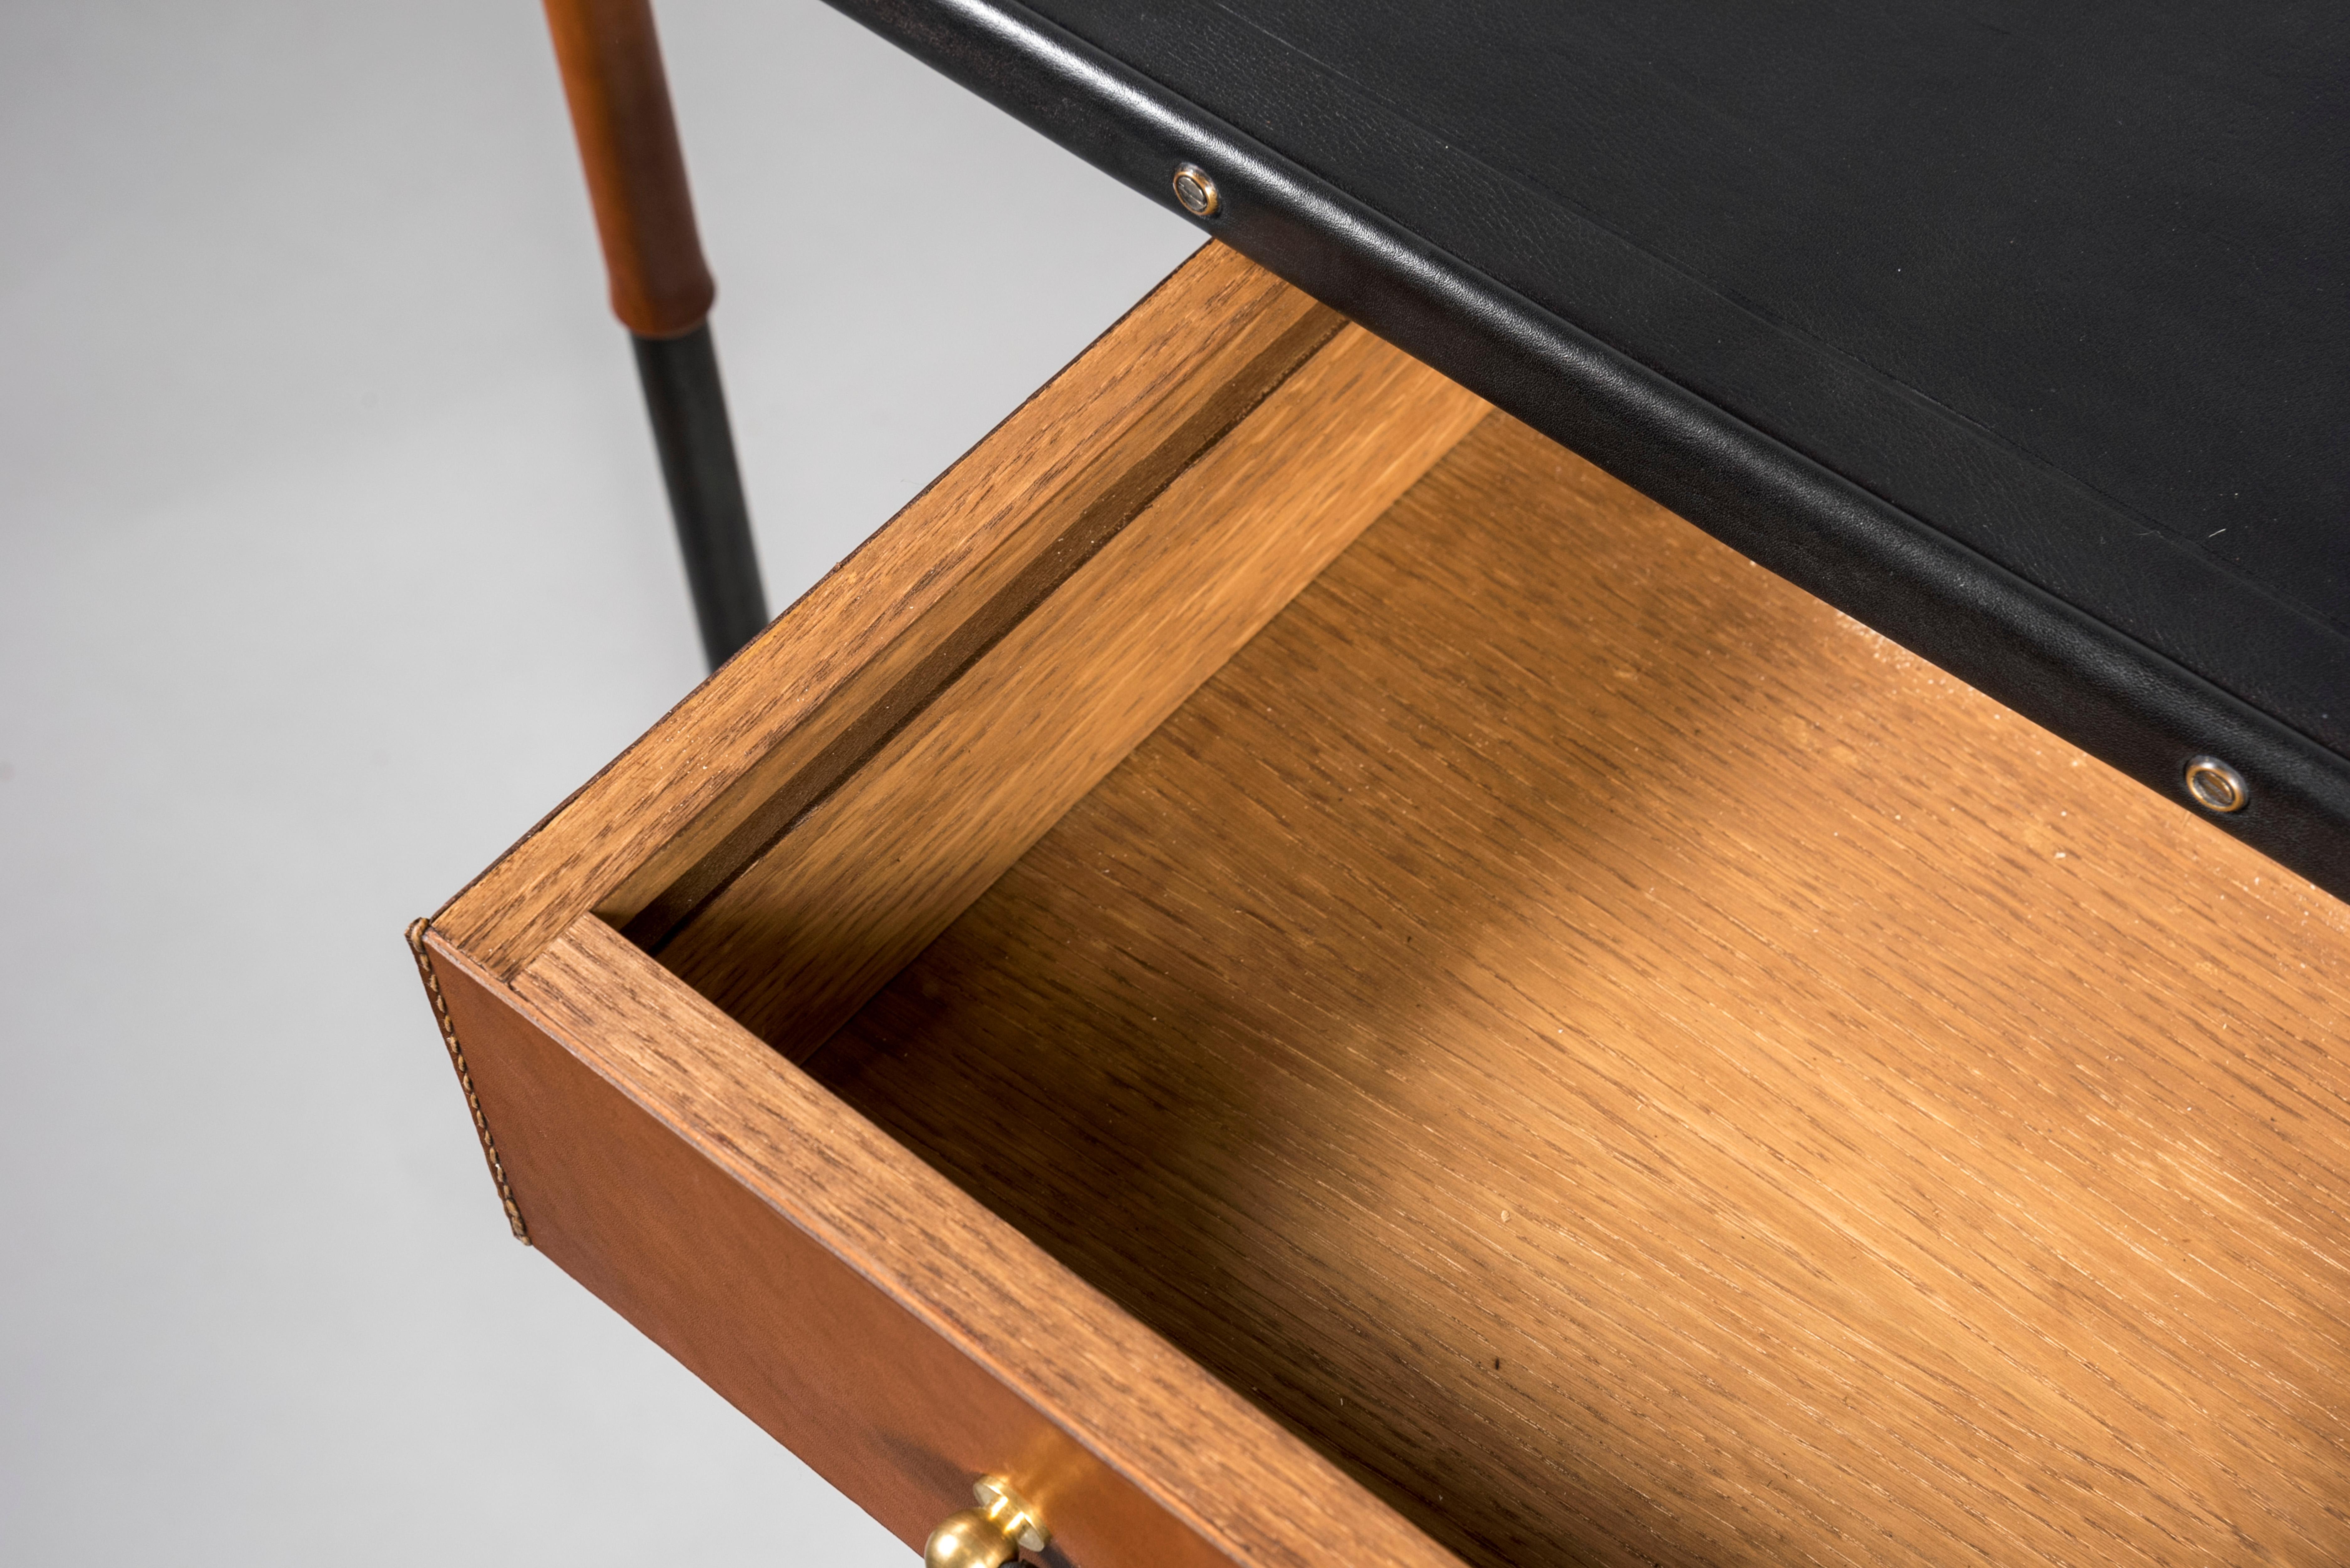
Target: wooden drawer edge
{"type": "Point", "coordinates": [1061, 475]}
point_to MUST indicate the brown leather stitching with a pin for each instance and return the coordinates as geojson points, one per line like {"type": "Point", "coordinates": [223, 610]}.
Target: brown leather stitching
{"type": "Point", "coordinates": [416, 929]}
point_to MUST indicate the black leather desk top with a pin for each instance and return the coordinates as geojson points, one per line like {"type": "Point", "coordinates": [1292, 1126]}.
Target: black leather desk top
{"type": "Point", "coordinates": [2022, 333]}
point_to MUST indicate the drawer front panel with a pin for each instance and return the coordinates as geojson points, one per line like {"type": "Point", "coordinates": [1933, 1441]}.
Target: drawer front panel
{"type": "Point", "coordinates": [846, 1298]}
{"type": "Point", "coordinates": [873, 1400]}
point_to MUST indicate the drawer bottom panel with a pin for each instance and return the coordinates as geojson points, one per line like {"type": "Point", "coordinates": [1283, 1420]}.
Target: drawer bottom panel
{"type": "Point", "coordinates": [1639, 1070]}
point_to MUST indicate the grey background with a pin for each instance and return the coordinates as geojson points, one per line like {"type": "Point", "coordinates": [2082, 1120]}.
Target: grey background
{"type": "Point", "coordinates": [332, 553]}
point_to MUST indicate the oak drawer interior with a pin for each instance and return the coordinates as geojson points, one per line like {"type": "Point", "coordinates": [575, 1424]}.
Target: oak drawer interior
{"type": "Point", "coordinates": [1622, 1060]}
{"type": "Point", "coordinates": [1637, 1068]}
{"type": "Point", "coordinates": [1641, 1071]}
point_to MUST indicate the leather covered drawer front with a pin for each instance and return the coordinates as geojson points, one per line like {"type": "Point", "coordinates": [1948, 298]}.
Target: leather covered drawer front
{"type": "Point", "coordinates": [1293, 968]}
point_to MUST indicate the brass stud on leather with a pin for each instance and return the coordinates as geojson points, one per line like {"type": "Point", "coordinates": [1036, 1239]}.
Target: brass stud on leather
{"type": "Point", "coordinates": [990, 1535]}
{"type": "Point", "coordinates": [1197, 192]}
{"type": "Point", "coordinates": [2214, 786]}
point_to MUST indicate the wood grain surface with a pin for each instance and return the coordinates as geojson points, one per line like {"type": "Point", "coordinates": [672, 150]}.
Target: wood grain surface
{"type": "Point", "coordinates": [1642, 1071]}
{"type": "Point", "coordinates": [675, 815]}
{"type": "Point", "coordinates": [894, 1334]}
{"type": "Point", "coordinates": [796, 942]}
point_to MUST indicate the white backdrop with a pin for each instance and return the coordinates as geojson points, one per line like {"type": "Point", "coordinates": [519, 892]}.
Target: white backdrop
{"type": "Point", "coordinates": [332, 553]}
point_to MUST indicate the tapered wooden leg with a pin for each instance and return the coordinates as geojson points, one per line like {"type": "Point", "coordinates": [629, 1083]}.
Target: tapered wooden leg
{"type": "Point", "coordinates": [662, 291]}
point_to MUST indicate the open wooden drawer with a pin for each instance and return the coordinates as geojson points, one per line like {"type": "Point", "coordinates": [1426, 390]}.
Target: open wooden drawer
{"type": "Point", "coordinates": [1298, 972]}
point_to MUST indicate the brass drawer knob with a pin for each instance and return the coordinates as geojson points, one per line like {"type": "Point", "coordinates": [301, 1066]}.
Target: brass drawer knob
{"type": "Point", "coordinates": [990, 1535]}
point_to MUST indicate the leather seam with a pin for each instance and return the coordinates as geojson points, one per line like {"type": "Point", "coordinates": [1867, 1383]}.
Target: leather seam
{"type": "Point", "coordinates": [416, 929]}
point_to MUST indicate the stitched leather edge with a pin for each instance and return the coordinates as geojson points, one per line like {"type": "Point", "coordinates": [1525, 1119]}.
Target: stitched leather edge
{"type": "Point", "coordinates": [416, 929]}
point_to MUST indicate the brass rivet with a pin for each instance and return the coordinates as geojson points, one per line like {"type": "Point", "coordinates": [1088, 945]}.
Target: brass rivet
{"type": "Point", "coordinates": [1197, 192]}
{"type": "Point", "coordinates": [988, 1536]}
{"type": "Point", "coordinates": [2216, 786]}
{"type": "Point", "coordinates": [1008, 1508]}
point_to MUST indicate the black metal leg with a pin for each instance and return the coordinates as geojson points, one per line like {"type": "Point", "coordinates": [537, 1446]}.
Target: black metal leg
{"type": "Point", "coordinates": [688, 406]}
